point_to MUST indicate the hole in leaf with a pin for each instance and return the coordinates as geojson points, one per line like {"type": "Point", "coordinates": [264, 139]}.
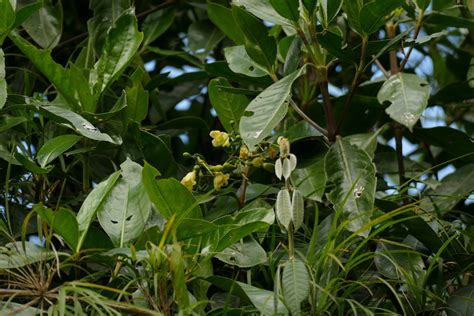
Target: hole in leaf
{"type": "Point", "coordinates": [248, 113]}
{"type": "Point", "coordinates": [251, 68]}
{"type": "Point", "coordinates": [129, 218]}
{"type": "Point", "coordinates": [114, 222]}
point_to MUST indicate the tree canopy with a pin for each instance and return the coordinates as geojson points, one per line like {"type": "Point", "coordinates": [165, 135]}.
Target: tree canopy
{"type": "Point", "coordinates": [218, 157]}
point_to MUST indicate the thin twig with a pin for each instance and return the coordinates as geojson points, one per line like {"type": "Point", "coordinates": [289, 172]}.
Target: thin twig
{"type": "Point", "coordinates": [415, 36]}
{"type": "Point", "coordinates": [385, 72]}
{"type": "Point", "coordinates": [307, 118]}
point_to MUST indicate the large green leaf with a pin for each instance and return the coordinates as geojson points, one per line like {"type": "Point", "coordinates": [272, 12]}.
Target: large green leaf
{"type": "Point", "coordinates": [156, 24]}
{"type": "Point", "coordinates": [461, 301]}
{"type": "Point", "coordinates": [169, 196]}
{"type": "Point", "coordinates": [13, 255]}
{"type": "Point", "coordinates": [92, 204]}
{"type": "Point", "coordinates": [263, 300]}
{"type": "Point", "coordinates": [353, 174]}
{"type": "Point", "coordinates": [311, 181]}
{"type": "Point", "coordinates": [259, 45]}
{"type": "Point", "coordinates": [408, 95]}
{"type": "Point", "coordinates": [267, 110]}
{"type": "Point", "coordinates": [203, 36]}
{"type": "Point", "coordinates": [295, 282]}
{"type": "Point", "coordinates": [45, 26]}
{"type": "Point", "coordinates": [229, 106]}
{"type": "Point", "coordinates": [55, 147]}
{"type": "Point", "coordinates": [7, 18]}
{"type": "Point", "coordinates": [70, 83]}
{"type": "Point", "coordinates": [222, 17]}
{"type": "Point", "coordinates": [240, 62]}
{"type": "Point", "coordinates": [121, 44]}
{"type": "Point", "coordinates": [244, 254]}
{"type": "Point", "coordinates": [452, 189]}
{"type": "Point", "coordinates": [3, 82]}
{"type": "Point", "coordinates": [79, 124]}
{"type": "Point", "coordinates": [373, 14]}
{"type": "Point", "coordinates": [126, 211]}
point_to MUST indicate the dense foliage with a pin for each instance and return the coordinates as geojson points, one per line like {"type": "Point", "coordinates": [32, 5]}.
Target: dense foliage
{"type": "Point", "coordinates": [237, 157]}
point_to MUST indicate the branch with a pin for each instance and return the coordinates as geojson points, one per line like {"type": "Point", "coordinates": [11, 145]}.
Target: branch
{"type": "Point", "coordinates": [415, 36]}
{"type": "Point", "coordinates": [308, 119]}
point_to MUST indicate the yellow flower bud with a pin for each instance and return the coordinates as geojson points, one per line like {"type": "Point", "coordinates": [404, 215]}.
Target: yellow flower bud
{"type": "Point", "coordinates": [258, 162]}
{"type": "Point", "coordinates": [219, 139]}
{"type": "Point", "coordinates": [284, 146]}
{"type": "Point", "coordinates": [189, 180]}
{"type": "Point", "coordinates": [244, 152]}
{"type": "Point", "coordinates": [220, 180]}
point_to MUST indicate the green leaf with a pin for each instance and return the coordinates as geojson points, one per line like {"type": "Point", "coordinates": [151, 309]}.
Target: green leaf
{"type": "Point", "coordinates": [288, 9]}
{"type": "Point", "coordinates": [423, 4]}
{"type": "Point", "coordinates": [259, 45]}
{"type": "Point", "coordinates": [263, 300]}
{"type": "Point", "coordinates": [121, 44]}
{"type": "Point", "coordinates": [398, 261]}
{"type": "Point", "coordinates": [137, 103]}
{"type": "Point", "coordinates": [31, 165]}
{"type": "Point", "coordinates": [235, 227]}
{"type": "Point", "coordinates": [443, 20]}
{"type": "Point", "coordinates": [70, 83]}
{"type": "Point", "coordinates": [92, 204]}
{"type": "Point", "coordinates": [352, 9]}
{"type": "Point", "coordinates": [156, 24]}
{"type": "Point", "coordinates": [353, 174]}
{"type": "Point", "coordinates": [367, 141]}
{"type": "Point", "coordinates": [7, 18]}
{"type": "Point", "coordinates": [126, 211]}
{"type": "Point", "coordinates": [244, 254]}
{"type": "Point", "coordinates": [65, 224]}
{"type": "Point", "coordinates": [14, 256]}
{"type": "Point", "coordinates": [202, 38]}
{"type": "Point", "coordinates": [3, 82]}
{"type": "Point", "coordinates": [55, 147]}
{"type": "Point", "coordinates": [169, 196]}
{"type": "Point", "coordinates": [283, 208]}
{"type": "Point", "coordinates": [79, 124]}
{"type": "Point", "coordinates": [263, 10]}
{"type": "Point", "coordinates": [8, 122]}
{"type": "Point", "coordinates": [106, 13]}
{"type": "Point", "coordinates": [295, 282]}
{"type": "Point", "coordinates": [461, 301]}
{"type": "Point", "coordinates": [310, 181]}
{"type": "Point", "coordinates": [223, 18]}
{"type": "Point", "coordinates": [178, 279]}
{"type": "Point", "coordinates": [373, 14]}
{"type": "Point", "coordinates": [229, 106]}
{"type": "Point", "coordinates": [453, 188]}
{"type": "Point", "coordinates": [240, 62]}
{"type": "Point", "coordinates": [408, 96]}
{"type": "Point", "coordinates": [45, 26]}
{"type": "Point", "coordinates": [24, 11]}
{"type": "Point", "coordinates": [267, 110]}
{"type": "Point", "coordinates": [329, 10]}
